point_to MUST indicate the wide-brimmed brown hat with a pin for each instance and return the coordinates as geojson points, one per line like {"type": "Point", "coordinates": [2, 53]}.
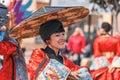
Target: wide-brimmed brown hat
{"type": "Point", "coordinates": [30, 26]}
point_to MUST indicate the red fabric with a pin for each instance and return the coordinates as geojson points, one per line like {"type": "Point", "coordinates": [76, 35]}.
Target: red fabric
{"type": "Point", "coordinates": [103, 74]}
{"type": "Point", "coordinates": [37, 57]}
{"type": "Point", "coordinates": [76, 43]}
{"type": "Point", "coordinates": [6, 49]}
{"type": "Point", "coordinates": [71, 65]}
{"type": "Point", "coordinates": [12, 4]}
{"type": "Point", "coordinates": [106, 44]}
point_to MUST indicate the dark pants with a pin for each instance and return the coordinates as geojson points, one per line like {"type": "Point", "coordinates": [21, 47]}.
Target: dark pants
{"type": "Point", "coordinates": [78, 60]}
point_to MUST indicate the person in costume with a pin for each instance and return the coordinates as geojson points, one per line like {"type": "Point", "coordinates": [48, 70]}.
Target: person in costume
{"type": "Point", "coordinates": [53, 34]}
{"type": "Point", "coordinates": [12, 64]}
{"type": "Point", "coordinates": [106, 62]}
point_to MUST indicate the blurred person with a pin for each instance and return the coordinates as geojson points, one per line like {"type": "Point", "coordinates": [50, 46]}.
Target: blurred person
{"type": "Point", "coordinates": [106, 60]}
{"type": "Point", "coordinates": [12, 65]}
{"type": "Point", "coordinates": [53, 34]}
{"type": "Point", "coordinates": [76, 45]}
{"type": "Point", "coordinates": [87, 54]}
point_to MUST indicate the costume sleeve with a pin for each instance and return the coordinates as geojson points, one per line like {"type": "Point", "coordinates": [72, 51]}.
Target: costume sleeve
{"type": "Point", "coordinates": [118, 48]}
{"type": "Point", "coordinates": [99, 61]}
{"type": "Point", "coordinates": [84, 71]}
{"type": "Point", "coordinates": [70, 64]}
{"type": "Point", "coordinates": [7, 48]}
{"type": "Point", "coordinates": [97, 52]}
{"type": "Point", "coordinates": [36, 58]}
{"type": "Point", "coordinates": [116, 60]}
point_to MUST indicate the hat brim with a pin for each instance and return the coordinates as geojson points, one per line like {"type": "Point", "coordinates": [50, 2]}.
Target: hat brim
{"type": "Point", "coordinates": [30, 26]}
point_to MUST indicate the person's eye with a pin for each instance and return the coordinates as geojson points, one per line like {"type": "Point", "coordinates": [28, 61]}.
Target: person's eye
{"type": "Point", "coordinates": [57, 35]}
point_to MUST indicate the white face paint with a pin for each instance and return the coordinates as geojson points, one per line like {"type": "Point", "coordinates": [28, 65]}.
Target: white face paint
{"type": "Point", "coordinates": [5, 2]}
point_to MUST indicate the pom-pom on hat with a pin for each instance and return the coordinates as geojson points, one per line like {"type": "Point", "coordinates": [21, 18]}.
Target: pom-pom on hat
{"type": "Point", "coordinates": [48, 28]}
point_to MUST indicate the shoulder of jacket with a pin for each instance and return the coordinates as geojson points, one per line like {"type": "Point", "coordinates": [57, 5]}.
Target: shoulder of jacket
{"type": "Point", "coordinates": [39, 53]}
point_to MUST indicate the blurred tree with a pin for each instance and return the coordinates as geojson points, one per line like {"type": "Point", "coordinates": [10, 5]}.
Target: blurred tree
{"type": "Point", "coordinates": [112, 5]}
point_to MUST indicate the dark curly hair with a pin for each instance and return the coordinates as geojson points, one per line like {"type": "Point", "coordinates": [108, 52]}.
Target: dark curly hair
{"type": "Point", "coordinates": [106, 26]}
